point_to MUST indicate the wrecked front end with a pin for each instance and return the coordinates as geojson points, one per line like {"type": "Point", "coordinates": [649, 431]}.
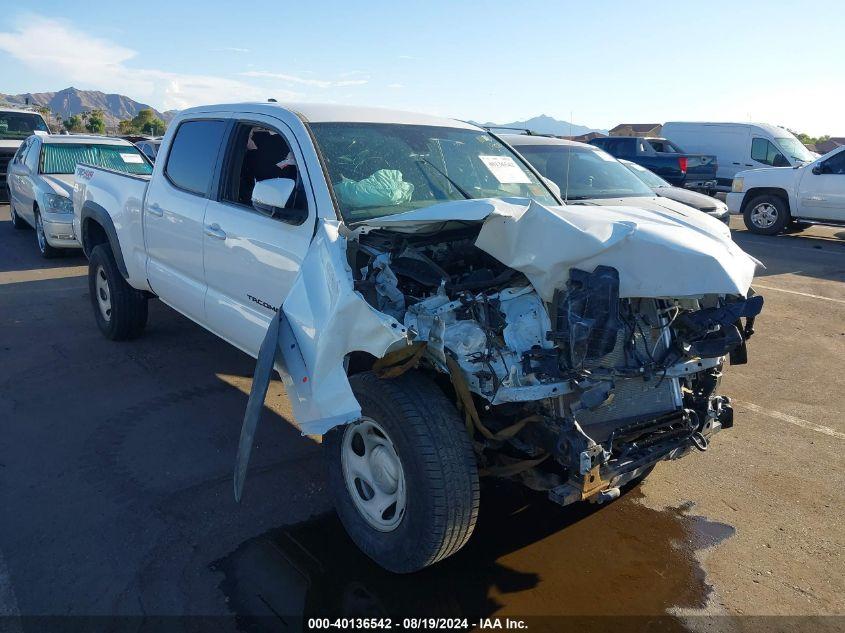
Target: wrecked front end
{"type": "Point", "coordinates": [577, 395]}
{"type": "Point", "coordinates": [581, 349]}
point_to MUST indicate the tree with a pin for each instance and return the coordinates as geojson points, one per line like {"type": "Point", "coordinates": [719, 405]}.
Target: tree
{"type": "Point", "coordinates": [145, 122]}
{"type": "Point", "coordinates": [148, 123]}
{"type": "Point", "coordinates": [74, 123]}
{"type": "Point", "coordinates": [126, 127]}
{"type": "Point", "coordinates": [96, 122]}
{"type": "Point", "coordinates": [806, 139]}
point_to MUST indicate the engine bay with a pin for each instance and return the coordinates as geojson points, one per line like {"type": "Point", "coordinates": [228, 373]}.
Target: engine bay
{"type": "Point", "coordinates": [604, 385]}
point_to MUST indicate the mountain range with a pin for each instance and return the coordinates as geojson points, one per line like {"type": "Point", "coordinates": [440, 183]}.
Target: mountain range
{"type": "Point", "coordinates": [73, 101]}
{"type": "Point", "coordinates": [544, 124]}
{"type": "Point", "coordinates": [118, 107]}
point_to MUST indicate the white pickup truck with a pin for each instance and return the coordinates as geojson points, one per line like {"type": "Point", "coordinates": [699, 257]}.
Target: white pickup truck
{"type": "Point", "coordinates": [774, 199]}
{"type": "Point", "coordinates": [435, 313]}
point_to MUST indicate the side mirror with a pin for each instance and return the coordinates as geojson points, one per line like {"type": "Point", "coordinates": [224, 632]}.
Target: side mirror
{"type": "Point", "coordinates": [270, 197]}
{"type": "Point", "coordinates": [819, 169]}
{"type": "Point", "coordinates": [780, 161]}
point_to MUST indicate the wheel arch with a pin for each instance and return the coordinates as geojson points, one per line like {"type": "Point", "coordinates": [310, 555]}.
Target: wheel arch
{"type": "Point", "coordinates": [756, 192]}
{"type": "Point", "coordinates": [97, 228]}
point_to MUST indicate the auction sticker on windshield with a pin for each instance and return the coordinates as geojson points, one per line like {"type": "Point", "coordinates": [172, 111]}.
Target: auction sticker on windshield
{"type": "Point", "coordinates": [131, 158]}
{"type": "Point", "coordinates": [505, 169]}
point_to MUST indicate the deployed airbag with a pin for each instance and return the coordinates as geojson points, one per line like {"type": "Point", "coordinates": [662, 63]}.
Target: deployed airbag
{"type": "Point", "coordinates": [384, 188]}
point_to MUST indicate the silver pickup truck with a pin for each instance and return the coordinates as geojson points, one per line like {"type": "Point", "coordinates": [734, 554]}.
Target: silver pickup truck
{"type": "Point", "coordinates": [435, 312]}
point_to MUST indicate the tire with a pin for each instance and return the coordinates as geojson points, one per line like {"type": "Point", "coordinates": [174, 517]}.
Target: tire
{"type": "Point", "coordinates": [436, 472]}
{"type": "Point", "coordinates": [17, 221]}
{"type": "Point", "coordinates": [766, 215]}
{"type": "Point", "coordinates": [797, 227]}
{"type": "Point", "coordinates": [44, 248]}
{"type": "Point", "coordinates": [120, 310]}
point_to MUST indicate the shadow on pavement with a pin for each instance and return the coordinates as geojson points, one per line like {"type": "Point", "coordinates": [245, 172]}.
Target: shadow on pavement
{"type": "Point", "coordinates": [527, 557]}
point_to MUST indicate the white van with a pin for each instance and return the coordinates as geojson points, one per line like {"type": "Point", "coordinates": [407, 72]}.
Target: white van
{"type": "Point", "coordinates": [739, 146]}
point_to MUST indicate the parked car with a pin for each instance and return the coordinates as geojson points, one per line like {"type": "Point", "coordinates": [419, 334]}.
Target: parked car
{"type": "Point", "coordinates": [588, 175]}
{"type": "Point", "coordinates": [15, 126]}
{"type": "Point", "coordinates": [41, 182]}
{"type": "Point", "coordinates": [392, 264]}
{"type": "Point", "coordinates": [664, 158]}
{"type": "Point", "coordinates": [149, 147]}
{"type": "Point", "coordinates": [774, 199]}
{"type": "Point", "coordinates": [740, 146]}
{"type": "Point", "coordinates": [708, 204]}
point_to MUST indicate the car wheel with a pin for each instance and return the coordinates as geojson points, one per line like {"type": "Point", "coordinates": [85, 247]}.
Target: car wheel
{"type": "Point", "coordinates": [766, 215]}
{"type": "Point", "coordinates": [404, 477]}
{"type": "Point", "coordinates": [47, 251]}
{"type": "Point", "coordinates": [120, 310]}
{"type": "Point", "coordinates": [17, 221]}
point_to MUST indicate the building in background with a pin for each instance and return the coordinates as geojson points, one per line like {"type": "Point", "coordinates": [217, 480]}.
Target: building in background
{"type": "Point", "coordinates": [637, 129]}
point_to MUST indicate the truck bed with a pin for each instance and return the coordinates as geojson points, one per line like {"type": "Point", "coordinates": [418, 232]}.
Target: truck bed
{"type": "Point", "coordinates": [106, 195]}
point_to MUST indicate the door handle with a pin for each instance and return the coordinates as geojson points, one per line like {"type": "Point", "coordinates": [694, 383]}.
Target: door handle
{"type": "Point", "coordinates": [155, 209]}
{"type": "Point", "coordinates": [214, 230]}
{"type": "Point", "coordinates": [736, 163]}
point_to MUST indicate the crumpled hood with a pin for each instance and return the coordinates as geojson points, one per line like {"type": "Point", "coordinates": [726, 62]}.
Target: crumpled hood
{"type": "Point", "coordinates": [672, 251]}
{"type": "Point", "coordinates": [61, 183]}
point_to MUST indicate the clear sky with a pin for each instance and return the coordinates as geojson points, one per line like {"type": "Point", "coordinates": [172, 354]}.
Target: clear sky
{"type": "Point", "coordinates": [602, 62]}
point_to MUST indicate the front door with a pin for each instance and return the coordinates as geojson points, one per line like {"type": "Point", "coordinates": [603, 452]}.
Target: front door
{"type": "Point", "coordinates": [821, 192]}
{"type": "Point", "coordinates": [16, 170]}
{"type": "Point", "coordinates": [25, 204]}
{"type": "Point", "coordinates": [252, 258]}
{"type": "Point", "coordinates": [174, 211]}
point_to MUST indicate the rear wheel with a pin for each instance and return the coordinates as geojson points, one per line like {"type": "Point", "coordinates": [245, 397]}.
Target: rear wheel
{"type": "Point", "coordinates": [119, 309]}
{"type": "Point", "coordinates": [404, 477]}
{"type": "Point", "coordinates": [766, 215]}
{"type": "Point", "coordinates": [47, 251]}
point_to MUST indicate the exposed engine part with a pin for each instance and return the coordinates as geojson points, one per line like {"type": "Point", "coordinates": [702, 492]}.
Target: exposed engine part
{"type": "Point", "coordinates": [606, 386]}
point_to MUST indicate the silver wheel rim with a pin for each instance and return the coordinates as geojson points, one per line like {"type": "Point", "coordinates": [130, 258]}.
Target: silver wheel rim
{"type": "Point", "coordinates": [373, 474]}
{"type": "Point", "coordinates": [101, 287]}
{"type": "Point", "coordinates": [39, 233]}
{"type": "Point", "coordinates": [764, 215]}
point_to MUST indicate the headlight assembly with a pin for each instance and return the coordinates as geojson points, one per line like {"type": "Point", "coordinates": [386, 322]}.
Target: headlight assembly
{"type": "Point", "coordinates": [738, 185]}
{"type": "Point", "coordinates": [57, 204]}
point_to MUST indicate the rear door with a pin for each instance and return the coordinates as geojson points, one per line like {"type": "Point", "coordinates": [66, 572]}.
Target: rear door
{"type": "Point", "coordinates": [252, 258]}
{"type": "Point", "coordinates": [821, 195]}
{"type": "Point", "coordinates": [174, 211]}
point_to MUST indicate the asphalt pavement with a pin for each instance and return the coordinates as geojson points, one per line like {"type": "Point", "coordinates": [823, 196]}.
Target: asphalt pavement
{"type": "Point", "coordinates": [116, 480]}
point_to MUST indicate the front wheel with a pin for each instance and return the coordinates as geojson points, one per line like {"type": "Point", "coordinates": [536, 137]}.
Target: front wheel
{"type": "Point", "coordinates": [119, 309]}
{"type": "Point", "coordinates": [766, 215]}
{"type": "Point", "coordinates": [47, 251]}
{"type": "Point", "coordinates": [404, 477]}
{"type": "Point", "coordinates": [17, 221]}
